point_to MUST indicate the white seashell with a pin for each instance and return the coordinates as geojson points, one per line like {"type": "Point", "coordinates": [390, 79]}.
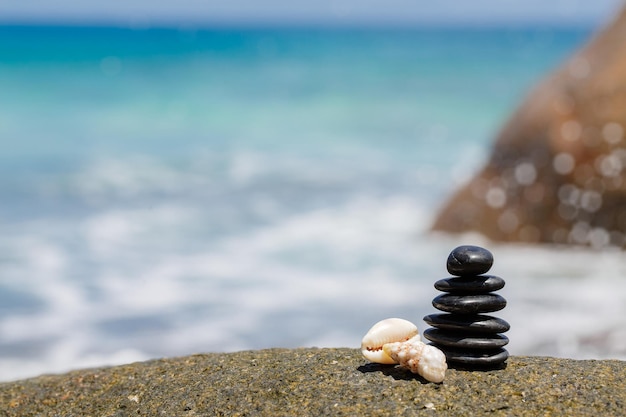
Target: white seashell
{"type": "Point", "coordinates": [397, 341]}
{"type": "Point", "coordinates": [419, 358]}
{"type": "Point", "coordinates": [386, 331]}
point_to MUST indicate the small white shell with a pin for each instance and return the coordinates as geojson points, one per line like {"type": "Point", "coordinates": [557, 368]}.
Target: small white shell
{"type": "Point", "coordinates": [386, 331]}
{"type": "Point", "coordinates": [397, 341]}
{"type": "Point", "coordinates": [419, 358]}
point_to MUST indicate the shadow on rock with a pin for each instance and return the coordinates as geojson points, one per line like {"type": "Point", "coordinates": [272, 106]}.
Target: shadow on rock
{"type": "Point", "coordinates": [394, 371]}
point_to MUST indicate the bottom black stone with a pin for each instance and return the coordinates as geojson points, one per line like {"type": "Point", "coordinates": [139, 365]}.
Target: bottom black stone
{"type": "Point", "coordinates": [472, 359]}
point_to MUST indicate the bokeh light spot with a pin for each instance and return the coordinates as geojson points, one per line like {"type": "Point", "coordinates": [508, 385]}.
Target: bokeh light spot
{"type": "Point", "coordinates": [613, 132]}
{"type": "Point", "coordinates": [563, 163]}
{"type": "Point", "coordinates": [525, 173]}
{"type": "Point", "coordinates": [495, 197]}
{"type": "Point", "coordinates": [571, 130]}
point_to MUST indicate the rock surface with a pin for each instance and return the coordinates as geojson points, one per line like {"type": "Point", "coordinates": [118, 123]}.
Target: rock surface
{"type": "Point", "coordinates": [319, 382]}
{"type": "Point", "coordinates": [557, 171]}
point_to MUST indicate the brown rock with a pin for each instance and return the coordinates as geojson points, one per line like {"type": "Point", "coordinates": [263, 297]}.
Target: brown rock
{"type": "Point", "coordinates": [557, 172]}
{"type": "Point", "coordinates": [319, 382]}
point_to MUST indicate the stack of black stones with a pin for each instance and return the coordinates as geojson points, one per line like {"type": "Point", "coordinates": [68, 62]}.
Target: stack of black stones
{"type": "Point", "coordinates": [469, 339]}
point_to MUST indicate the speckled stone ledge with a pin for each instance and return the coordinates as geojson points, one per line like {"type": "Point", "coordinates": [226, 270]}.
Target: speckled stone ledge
{"type": "Point", "coordinates": [319, 382]}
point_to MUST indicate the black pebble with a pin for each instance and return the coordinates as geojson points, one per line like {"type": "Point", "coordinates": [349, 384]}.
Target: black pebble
{"type": "Point", "coordinates": [464, 341]}
{"type": "Point", "coordinates": [469, 340]}
{"type": "Point", "coordinates": [469, 260]}
{"type": "Point", "coordinates": [472, 324]}
{"type": "Point", "coordinates": [479, 284]}
{"type": "Point", "coordinates": [469, 304]}
{"type": "Point", "coordinates": [476, 358]}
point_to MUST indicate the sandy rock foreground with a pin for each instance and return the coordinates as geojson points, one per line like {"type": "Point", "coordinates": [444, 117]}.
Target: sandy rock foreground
{"type": "Point", "coordinates": [290, 382]}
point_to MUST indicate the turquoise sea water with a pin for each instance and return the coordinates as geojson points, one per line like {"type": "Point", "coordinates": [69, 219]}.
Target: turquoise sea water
{"type": "Point", "coordinates": [169, 191]}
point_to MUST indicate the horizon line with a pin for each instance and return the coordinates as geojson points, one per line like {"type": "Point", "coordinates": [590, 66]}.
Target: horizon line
{"type": "Point", "coordinates": [205, 24]}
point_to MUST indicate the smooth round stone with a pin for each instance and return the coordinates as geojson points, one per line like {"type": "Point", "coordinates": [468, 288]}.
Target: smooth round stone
{"type": "Point", "coordinates": [465, 341]}
{"type": "Point", "coordinates": [469, 304]}
{"type": "Point", "coordinates": [475, 324]}
{"type": "Point", "coordinates": [478, 284]}
{"type": "Point", "coordinates": [469, 260]}
{"type": "Point", "coordinates": [475, 358]}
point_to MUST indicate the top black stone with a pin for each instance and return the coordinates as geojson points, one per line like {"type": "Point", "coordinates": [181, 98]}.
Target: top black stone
{"type": "Point", "coordinates": [469, 260]}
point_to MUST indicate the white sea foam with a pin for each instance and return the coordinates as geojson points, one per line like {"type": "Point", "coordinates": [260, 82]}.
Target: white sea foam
{"type": "Point", "coordinates": [130, 283]}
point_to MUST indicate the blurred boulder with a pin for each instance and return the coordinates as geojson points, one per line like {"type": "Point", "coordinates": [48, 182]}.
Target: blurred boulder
{"type": "Point", "coordinates": [557, 171]}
